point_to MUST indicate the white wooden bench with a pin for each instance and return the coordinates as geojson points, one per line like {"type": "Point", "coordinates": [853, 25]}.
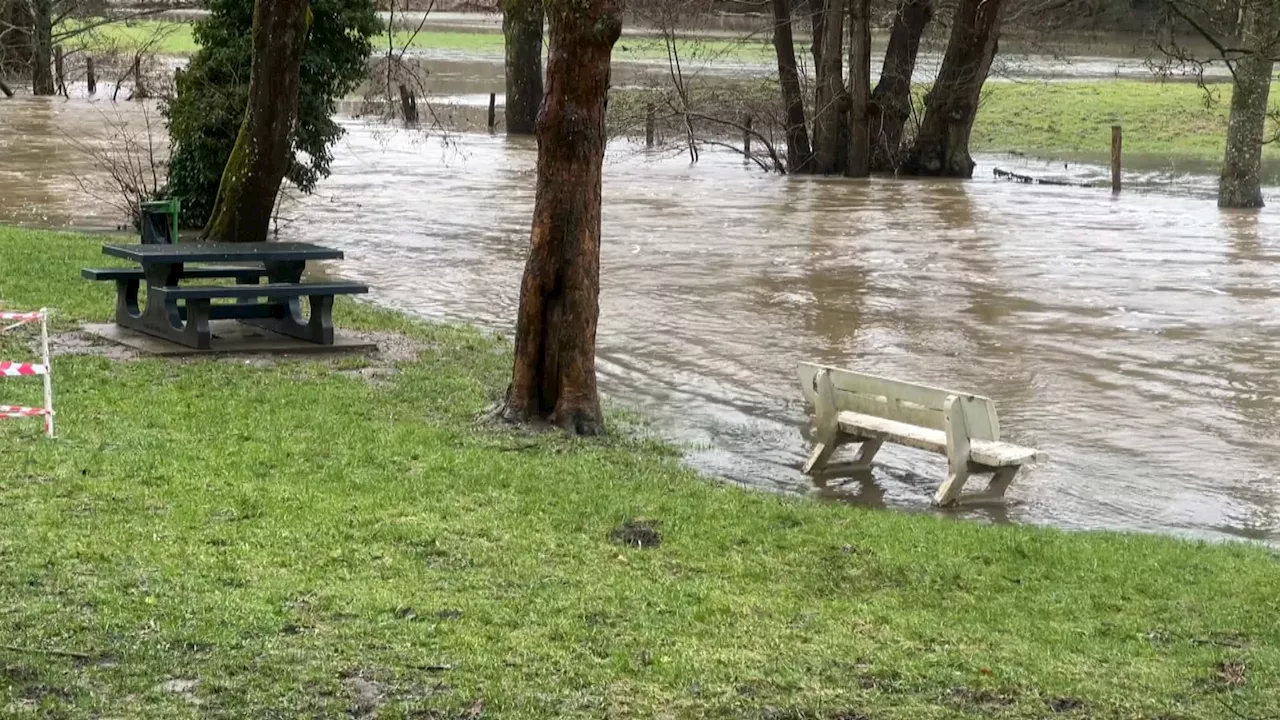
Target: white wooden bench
{"type": "Point", "coordinates": [852, 407]}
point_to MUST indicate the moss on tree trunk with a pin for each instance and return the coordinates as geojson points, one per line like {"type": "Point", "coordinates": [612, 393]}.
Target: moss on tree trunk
{"type": "Point", "coordinates": [522, 29]}
{"type": "Point", "coordinates": [799, 152]}
{"type": "Point", "coordinates": [1240, 185]}
{"type": "Point", "coordinates": [891, 100]}
{"type": "Point", "coordinates": [941, 148]}
{"type": "Point", "coordinates": [260, 159]}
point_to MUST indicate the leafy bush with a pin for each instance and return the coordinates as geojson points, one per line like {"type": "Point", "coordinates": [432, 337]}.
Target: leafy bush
{"type": "Point", "coordinates": [204, 115]}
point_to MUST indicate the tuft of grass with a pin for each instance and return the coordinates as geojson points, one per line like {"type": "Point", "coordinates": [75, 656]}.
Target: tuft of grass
{"type": "Point", "coordinates": [215, 539]}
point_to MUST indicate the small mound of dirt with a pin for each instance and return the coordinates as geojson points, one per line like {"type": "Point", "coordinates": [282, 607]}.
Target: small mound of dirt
{"type": "Point", "coordinates": [638, 533]}
{"type": "Point", "coordinates": [1065, 704]}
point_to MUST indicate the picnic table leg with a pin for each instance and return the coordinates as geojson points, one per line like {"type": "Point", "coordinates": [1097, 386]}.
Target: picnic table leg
{"type": "Point", "coordinates": [288, 318]}
{"type": "Point", "coordinates": [163, 319]}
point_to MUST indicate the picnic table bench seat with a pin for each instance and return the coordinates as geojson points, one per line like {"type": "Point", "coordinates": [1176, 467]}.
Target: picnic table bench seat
{"type": "Point", "coordinates": [853, 407]}
{"type": "Point", "coordinates": [234, 272]}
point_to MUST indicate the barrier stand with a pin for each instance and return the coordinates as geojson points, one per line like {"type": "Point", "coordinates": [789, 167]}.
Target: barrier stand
{"type": "Point", "coordinates": [21, 369]}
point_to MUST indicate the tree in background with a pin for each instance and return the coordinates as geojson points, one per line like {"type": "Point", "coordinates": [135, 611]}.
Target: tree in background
{"type": "Point", "coordinates": [941, 146]}
{"type": "Point", "coordinates": [522, 32]}
{"type": "Point", "coordinates": [890, 106]}
{"type": "Point", "coordinates": [205, 116]}
{"type": "Point", "coordinates": [1245, 36]}
{"type": "Point", "coordinates": [554, 375]}
{"type": "Point", "coordinates": [252, 176]}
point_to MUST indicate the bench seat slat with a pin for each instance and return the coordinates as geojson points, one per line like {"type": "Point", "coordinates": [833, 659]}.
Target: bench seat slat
{"type": "Point", "coordinates": [273, 290]}
{"type": "Point", "coordinates": [983, 452]}
{"type": "Point", "coordinates": [208, 271]}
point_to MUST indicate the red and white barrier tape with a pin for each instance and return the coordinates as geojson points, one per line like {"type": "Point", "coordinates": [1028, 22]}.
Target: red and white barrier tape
{"type": "Point", "coordinates": [13, 369]}
{"type": "Point", "coordinates": [17, 411]}
{"type": "Point", "coordinates": [21, 316]}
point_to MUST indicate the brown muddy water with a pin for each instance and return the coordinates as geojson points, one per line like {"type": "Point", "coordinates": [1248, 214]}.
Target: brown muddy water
{"type": "Point", "coordinates": [1133, 338]}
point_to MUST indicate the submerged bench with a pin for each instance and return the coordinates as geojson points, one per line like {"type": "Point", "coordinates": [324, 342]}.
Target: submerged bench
{"type": "Point", "coordinates": [852, 407]}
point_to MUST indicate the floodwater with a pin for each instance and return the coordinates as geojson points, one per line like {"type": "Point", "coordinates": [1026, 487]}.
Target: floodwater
{"type": "Point", "coordinates": [1135, 339]}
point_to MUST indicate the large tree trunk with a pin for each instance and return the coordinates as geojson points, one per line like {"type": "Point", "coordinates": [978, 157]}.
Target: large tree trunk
{"type": "Point", "coordinates": [1241, 185]}
{"type": "Point", "coordinates": [859, 88]}
{"type": "Point", "coordinates": [554, 375]}
{"type": "Point", "coordinates": [522, 28]}
{"type": "Point", "coordinates": [891, 100]}
{"type": "Point", "coordinates": [15, 37]}
{"type": "Point", "coordinates": [260, 158]}
{"type": "Point", "coordinates": [830, 106]}
{"type": "Point", "coordinates": [799, 154]}
{"type": "Point", "coordinates": [941, 148]}
{"type": "Point", "coordinates": [42, 48]}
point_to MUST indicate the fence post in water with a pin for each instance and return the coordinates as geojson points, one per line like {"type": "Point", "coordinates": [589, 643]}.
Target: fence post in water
{"type": "Point", "coordinates": [649, 123]}
{"type": "Point", "coordinates": [493, 110]}
{"type": "Point", "coordinates": [90, 76]}
{"type": "Point", "coordinates": [408, 105]}
{"type": "Point", "coordinates": [59, 71]}
{"type": "Point", "coordinates": [1117, 155]}
{"type": "Point", "coordinates": [139, 84]}
{"type": "Point", "coordinates": [746, 137]}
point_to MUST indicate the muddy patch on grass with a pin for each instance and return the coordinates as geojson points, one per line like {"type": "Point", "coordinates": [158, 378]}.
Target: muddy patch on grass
{"type": "Point", "coordinates": [78, 342]}
{"type": "Point", "coordinates": [1066, 704]}
{"type": "Point", "coordinates": [637, 532]}
{"type": "Point", "coordinates": [981, 698]}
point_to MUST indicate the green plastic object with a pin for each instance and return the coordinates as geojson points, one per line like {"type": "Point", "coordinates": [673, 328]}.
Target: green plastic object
{"type": "Point", "coordinates": [159, 224]}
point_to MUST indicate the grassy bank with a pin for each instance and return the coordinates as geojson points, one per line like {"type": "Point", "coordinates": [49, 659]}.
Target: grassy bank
{"type": "Point", "coordinates": [176, 39]}
{"type": "Point", "coordinates": [232, 539]}
{"type": "Point", "coordinates": [1069, 118]}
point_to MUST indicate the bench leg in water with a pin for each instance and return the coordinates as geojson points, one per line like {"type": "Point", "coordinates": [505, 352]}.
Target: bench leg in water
{"type": "Point", "coordinates": [958, 448]}
{"type": "Point", "coordinates": [1001, 480]}
{"type": "Point", "coordinates": [826, 425]}
{"type": "Point", "coordinates": [866, 454]}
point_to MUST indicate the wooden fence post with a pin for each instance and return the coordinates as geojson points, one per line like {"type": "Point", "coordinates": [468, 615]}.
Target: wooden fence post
{"type": "Point", "coordinates": [90, 76]}
{"type": "Point", "coordinates": [59, 71]}
{"type": "Point", "coordinates": [649, 123]}
{"type": "Point", "coordinates": [1117, 155]}
{"type": "Point", "coordinates": [746, 137]}
{"type": "Point", "coordinates": [139, 83]}
{"type": "Point", "coordinates": [493, 111]}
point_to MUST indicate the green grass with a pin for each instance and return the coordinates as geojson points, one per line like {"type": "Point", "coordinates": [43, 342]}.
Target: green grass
{"type": "Point", "coordinates": [176, 40]}
{"type": "Point", "coordinates": [1068, 118]}
{"type": "Point", "coordinates": [291, 536]}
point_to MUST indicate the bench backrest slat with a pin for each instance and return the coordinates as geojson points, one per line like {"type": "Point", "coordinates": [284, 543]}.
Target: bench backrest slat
{"type": "Point", "coordinates": [920, 405]}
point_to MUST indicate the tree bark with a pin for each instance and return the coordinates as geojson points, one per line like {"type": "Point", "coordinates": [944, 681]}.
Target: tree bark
{"type": "Point", "coordinates": [941, 148]}
{"type": "Point", "coordinates": [1240, 185]}
{"type": "Point", "coordinates": [830, 100]}
{"type": "Point", "coordinates": [260, 158]}
{"type": "Point", "coordinates": [553, 378]}
{"type": "Point", "coordinates": [799, 154]}
{"type": "Point", "coordinates": [522, 29]}
{"type": "Point", "coordinates": [42, 48]}
{"type": "Point", "coordinates": [891, 100]}
{"type": "Point", "coordinates": [859, 88]}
